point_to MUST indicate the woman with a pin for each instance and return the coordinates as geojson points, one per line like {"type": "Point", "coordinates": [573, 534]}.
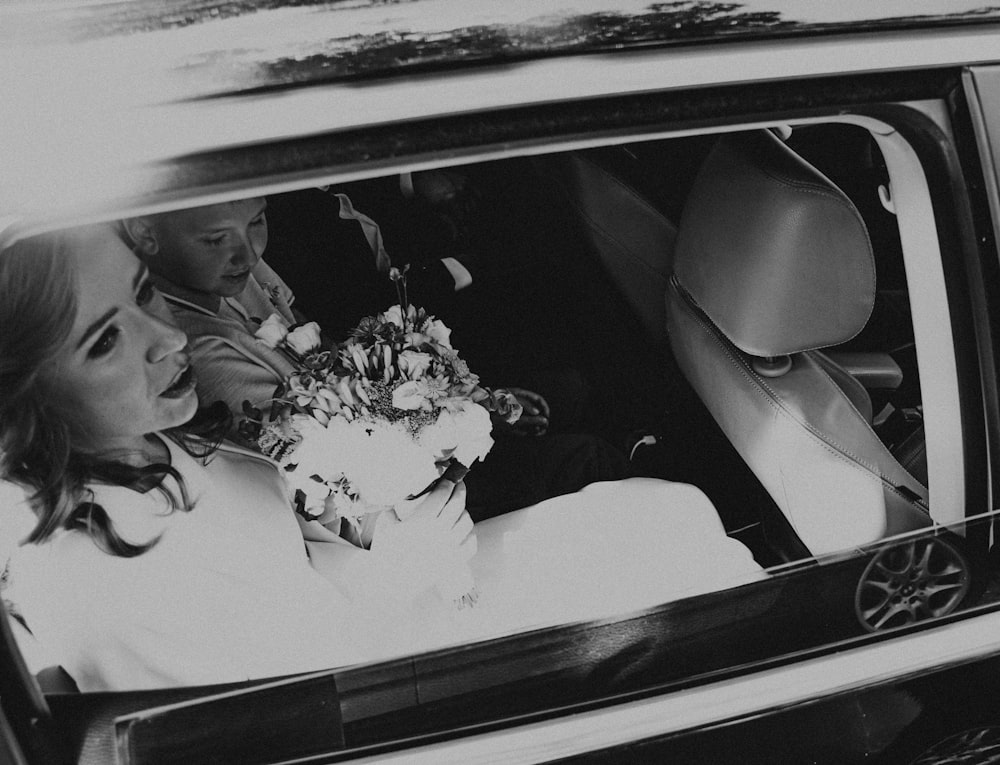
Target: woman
{"type": "Point", "coordinates": [127, 582]}
{"type": "Point", "coordinates": [152, 565]}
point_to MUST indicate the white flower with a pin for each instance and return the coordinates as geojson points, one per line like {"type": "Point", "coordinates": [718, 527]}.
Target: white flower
{"type": "Point", "coordinates": [474, 427]}
{"type": "Point", "coordinates": [393, 315]}
{"type": "Point", "coordinates": [382, 461]}
{"type": "Point", "coordinates": [272, 331]}
{"type": "Point", "coordinates": [303, 339]}
{"type": "Point", "coordinates": [411, 396]}
{"type": "Point", "coordinates": [462, 432]}
{"type": "Point", "coordinates": [438, 331]}
{"type": "Point", "coordinates": [317, 453]}
{"type": "Point", "coordinates": [415, 363]}
{"type": "Point", "coordinates": [315, 491]}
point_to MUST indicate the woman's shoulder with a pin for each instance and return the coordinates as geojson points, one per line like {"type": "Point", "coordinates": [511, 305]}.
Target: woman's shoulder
{"type": "Point", "coordinates": [224, 457]}
{"type": "Point", "coordinates": [59, 570]}
{"type": "Point", "coordinates": [236, 453]}
{"type": "Point", "coordinates": [17, 518]}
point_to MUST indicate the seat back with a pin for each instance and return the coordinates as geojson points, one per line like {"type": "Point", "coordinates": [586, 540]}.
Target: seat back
{"type": "Point", "coordinates": [773, 263]}
{"type": "Point", "coordinates": [631, 237]}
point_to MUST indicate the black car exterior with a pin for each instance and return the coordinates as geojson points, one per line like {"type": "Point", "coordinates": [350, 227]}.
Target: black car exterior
{"type": "Point", "coordinates": [777, 671]}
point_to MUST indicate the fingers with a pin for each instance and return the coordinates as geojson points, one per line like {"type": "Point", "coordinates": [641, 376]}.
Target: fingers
{"type": "Point", "coordinates": [454, 508]}
{"type": "Point", "coordinates": [466, 550]}
{"type": "Point", "coordinates": [470, 546]}
{"type": "Point", "coordinates": [462, 526]}
{"type": "Point", "coordinates": [534, 419]}
{"type": "Point", "coordinates": [428, 505]}
{"type": "Point", "coordinates": [461, 542]}
{"type": "Point", "coordinates": [533, 403]}
{"type": "Point", "coordinates": [531, 422]}
{"type": "Point", "coordinates": [542, 404]}
{"type": "Point", "coordinates": [432, 545]}
{"type": "Point", "coordinates": [529, 426]}
{"type": "Point", "coordinates": [444, 502]}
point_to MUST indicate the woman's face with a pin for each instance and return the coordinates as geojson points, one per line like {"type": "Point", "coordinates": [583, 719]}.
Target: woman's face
{"type": "Point", "coordinates": [210, 249]}
{"type": "Point", "coordinates": [123, 372]}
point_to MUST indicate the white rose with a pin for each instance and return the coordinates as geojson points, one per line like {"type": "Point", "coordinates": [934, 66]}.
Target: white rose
{"type": "Point", "coordinates": [439, 332]}
{"type": "Point", "coordinates": [382, 461]}
{"type": "Point", "coordinates": [411, 396]}
{"type": "Point", "coordinates": [474, 439]}
{"type": "Point", "coordinates": [393, 315]}
{"type": "Point", "coordinates": [314, 491]}
{"type": "Point", "coordinates": [319, 452]}
{"type": "Point", "coordinates": [304, 339]}
{"type": "Point", "coordinates": [272, 331]}
{"type": "Point", "coordinates": [415, 363]}
{"type": "Point", "coordinates": [463, 434]}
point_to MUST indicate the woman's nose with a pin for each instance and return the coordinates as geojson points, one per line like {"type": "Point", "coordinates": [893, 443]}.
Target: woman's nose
{"type": "Point", "coordinates": [164, 339]}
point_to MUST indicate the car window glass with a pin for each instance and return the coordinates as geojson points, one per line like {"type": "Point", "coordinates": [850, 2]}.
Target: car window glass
{"type": "Point", "coordinates": [570, 256]}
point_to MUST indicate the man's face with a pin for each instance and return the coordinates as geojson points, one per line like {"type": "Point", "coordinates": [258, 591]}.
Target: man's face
{"type": "Point", "coordinates": [210, 249]}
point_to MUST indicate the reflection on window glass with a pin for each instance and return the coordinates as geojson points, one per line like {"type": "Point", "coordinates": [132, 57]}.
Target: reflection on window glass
{"type": "Point", "coordinates": [670, 386]}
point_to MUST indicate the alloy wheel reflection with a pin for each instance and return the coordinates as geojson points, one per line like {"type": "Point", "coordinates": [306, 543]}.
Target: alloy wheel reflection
{"type": "Point", "coordinates": [910, 582]}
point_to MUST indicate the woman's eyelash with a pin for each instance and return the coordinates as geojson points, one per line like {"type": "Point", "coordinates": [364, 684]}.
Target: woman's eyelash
{"type": "Point", "coordinates": [146, 292]}
{"type": "Point", "coordinates": [105, 343]}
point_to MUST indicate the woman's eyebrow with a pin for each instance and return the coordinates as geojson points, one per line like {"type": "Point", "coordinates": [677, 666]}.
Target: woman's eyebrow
{"type": "Point", "coordinates": [96, 326]}
{"type": "Point", "coordinates": [139, 277]}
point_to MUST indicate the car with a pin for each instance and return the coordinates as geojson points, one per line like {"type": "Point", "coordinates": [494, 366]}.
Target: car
{"type": "Point", "coordinates": [766, 232]}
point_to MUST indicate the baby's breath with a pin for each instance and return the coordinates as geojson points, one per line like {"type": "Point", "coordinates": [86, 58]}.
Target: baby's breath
{"type": "Point", "coordinates": [381, 407]}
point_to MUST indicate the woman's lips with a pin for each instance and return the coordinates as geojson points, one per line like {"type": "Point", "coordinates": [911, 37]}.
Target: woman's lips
{"type": "Point", "coordinates": [181, 385]}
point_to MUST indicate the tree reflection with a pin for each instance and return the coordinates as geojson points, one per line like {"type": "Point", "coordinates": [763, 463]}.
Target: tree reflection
{"type": "Point", "coordinates": [688, 20]}
{"type": "Point", "coordinates": [399, 48]}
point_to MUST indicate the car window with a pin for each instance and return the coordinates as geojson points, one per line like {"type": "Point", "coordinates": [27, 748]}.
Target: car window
{"type": "Point", "coordinates": [775, 551]}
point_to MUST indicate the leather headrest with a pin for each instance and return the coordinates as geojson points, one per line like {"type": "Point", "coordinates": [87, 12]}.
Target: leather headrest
{"type": "Point", "coordinates": [772, 251]}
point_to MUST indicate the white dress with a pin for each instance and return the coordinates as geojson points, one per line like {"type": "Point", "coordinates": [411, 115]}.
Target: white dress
{"type": "Point", "coordinates": [609, 549]}
{"type": "Point", "coordinates": [229, 593]}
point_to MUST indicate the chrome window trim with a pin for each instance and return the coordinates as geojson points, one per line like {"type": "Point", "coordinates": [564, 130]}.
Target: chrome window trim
{"type": "Point", "coordinates": [729, 701]}
{"type": "Point", "coordinates": [982, 88]}
{"type": "Point", "coordinates": [932, 329]}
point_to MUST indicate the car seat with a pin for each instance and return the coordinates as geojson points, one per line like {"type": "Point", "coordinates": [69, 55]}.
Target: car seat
{"type": "Point", "coordinates": [632, 237]}
{"type": "Point", "coordinates": [773, 263]}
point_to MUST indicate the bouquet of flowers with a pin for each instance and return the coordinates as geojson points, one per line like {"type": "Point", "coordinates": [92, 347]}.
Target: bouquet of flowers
{"type": "Point", "coordinates": [377, 420]}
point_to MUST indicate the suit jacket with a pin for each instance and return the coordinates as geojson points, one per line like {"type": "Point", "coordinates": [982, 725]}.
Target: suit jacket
{"type": "Point", "coordinates": [232, 365]}
{"type": "Point", "coordinates": [330, 266]}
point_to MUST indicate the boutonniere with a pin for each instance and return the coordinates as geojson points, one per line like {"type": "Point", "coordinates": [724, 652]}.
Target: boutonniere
{"type": "Point", "coordinates": [272, 292]}
{"type": "Point", "coordinates": [301, 342]}
{"type": "Point", "coordinates": [272, 331]}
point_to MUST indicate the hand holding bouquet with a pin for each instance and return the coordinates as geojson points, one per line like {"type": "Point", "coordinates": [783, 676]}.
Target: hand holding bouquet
{"type": "Point", "coordinates": [366, 426]}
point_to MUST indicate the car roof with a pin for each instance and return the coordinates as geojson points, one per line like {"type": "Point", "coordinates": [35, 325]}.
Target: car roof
{"type": "Point", "coordinates": [233, 47]}
{"type": "Point", "coordinates": [99, 97]}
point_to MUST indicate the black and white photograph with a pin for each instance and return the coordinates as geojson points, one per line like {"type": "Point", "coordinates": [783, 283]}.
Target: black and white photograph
{"type": "Point", "coordinates": [444, 382]}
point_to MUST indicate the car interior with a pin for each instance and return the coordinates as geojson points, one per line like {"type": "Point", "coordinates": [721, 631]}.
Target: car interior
{"type": "Point", "coordinates": [736, 308]}
{"type": "Point", "coordinates": [730, 311]}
